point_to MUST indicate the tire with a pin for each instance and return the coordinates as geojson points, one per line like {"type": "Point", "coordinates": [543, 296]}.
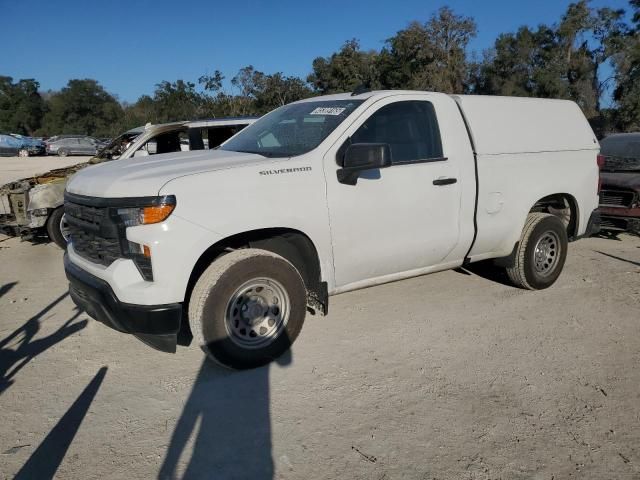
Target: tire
{"type": "Point", "coordinates": [233, 312]}
{"type": "Point", "coordinates": [23, 153]}
{"type": "Point", "coordinates": [541, 253]}
{"type": "Point", "coordinates": [55, 228]}
{"type": "Point", "coordinates": [63, 152]}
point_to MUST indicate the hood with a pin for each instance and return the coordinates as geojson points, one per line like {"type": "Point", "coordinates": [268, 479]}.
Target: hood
{"type": "Point", "coordinates": [145, 176]}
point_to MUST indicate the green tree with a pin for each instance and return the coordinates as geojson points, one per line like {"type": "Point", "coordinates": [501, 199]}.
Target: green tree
{"type": "Point", "coordinates": [21, 106]}
{"type": "Point", "coordinates": [177, 100]}
{"type": "Point", "coordinates": [277, 90]}
{"type": "Point", "coordinates": [523, 64]}
{"type": "Point", "coordinates": [82, 107]}
{"type": "Point", "coordinates": [562, 61]}
{"type": "Point", "coordinates": [627, 73]}
{"type": "Point", "coordinates": [212, 83]}
{"type": "Point", "coordinates": [345, 70]}
{"type": "Point", "coordinates": [429, 56]}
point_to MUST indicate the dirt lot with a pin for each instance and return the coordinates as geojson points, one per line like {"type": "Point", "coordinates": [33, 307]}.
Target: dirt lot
{"type": "Point", "coordinates": [14, 168]}
{"type": "Point", "coordinates": [446, 376]}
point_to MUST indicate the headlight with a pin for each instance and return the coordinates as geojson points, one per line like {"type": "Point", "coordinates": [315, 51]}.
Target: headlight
{"type": "Point", "coordinates": [157, 210]}
{"type": "Point", "coordinates": [147, 215]}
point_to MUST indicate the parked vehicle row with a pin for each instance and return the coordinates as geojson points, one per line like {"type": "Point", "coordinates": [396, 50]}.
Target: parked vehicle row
{"type": "Point", "coordinates": [13, 144]}
{"type": "Point", "coordinates": [32, 207]}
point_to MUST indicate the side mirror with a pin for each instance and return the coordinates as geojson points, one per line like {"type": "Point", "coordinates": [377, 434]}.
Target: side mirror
{"type": "Point", "coordinates": [363, 156]}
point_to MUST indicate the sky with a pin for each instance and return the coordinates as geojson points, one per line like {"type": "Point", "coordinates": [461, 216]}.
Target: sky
{"type": "Point", "coordinates": [131, 46]}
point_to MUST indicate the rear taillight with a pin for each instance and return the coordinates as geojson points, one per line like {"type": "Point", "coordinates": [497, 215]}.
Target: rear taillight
{"type": "Point", "coordinates": [600, 162]}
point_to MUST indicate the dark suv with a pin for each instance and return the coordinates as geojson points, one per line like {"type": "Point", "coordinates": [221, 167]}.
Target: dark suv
{"type": "Point", "coordinates": [620, 193]}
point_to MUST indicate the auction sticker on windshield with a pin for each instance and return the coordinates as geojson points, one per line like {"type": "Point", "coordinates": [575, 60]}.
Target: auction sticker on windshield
{"type": "Point", "coordinates": [327, 111]}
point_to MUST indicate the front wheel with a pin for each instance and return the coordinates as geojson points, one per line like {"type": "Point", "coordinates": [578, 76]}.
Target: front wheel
{"type": "Point", "coordinates": [57, 228]}
{"type": "Point", "coordinates": [63, 152]}
{"type": "Point", "coordinates": [247, 308]}
{"type": "Point", "coordinates": [23, 153]}
{"type": "Point", "coordinates": [541, 253]}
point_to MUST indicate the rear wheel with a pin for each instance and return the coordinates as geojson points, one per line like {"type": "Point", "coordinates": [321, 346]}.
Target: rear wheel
{"type": "Point", "coordinates": [541, 253]}
{"type": "Point", "coordinates": [63, 152]}
{"type": "Point", "coordinates": [247, 308]}
{"type": "Point", "coordinates": [57, 228]}
{"type": "Point", "coordinates": [23, 153]}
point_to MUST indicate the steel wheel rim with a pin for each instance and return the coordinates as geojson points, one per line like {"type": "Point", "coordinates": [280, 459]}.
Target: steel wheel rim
{"type": "Point", "coordinates": [64, 229]}
{"type": "Point", "coordinates": [546, 253]}
{"type": "Point", "coordinates": [257, 313]}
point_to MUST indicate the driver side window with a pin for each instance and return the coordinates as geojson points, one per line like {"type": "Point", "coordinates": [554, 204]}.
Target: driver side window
{"type": "Point", "coordinates": [410, 128]}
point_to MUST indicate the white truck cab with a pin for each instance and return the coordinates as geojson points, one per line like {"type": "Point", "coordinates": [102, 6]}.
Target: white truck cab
{"type": "Point", "coordinates": [233, 246]}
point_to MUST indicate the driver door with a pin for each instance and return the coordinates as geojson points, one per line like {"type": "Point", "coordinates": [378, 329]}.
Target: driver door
{"type": "Point", "coordinates": [394, 219]}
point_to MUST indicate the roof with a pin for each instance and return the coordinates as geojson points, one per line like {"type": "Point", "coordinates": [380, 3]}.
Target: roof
{"type": "Point", "coordinates": [213, 122]}
{"type": "Point", "coordinates": [362, 96]}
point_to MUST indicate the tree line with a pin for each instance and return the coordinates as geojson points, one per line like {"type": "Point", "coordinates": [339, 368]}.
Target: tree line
{"type": "Point", "coordinates": [588, 55]}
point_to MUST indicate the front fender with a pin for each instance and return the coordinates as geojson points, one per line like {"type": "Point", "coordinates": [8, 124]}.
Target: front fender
{"type": "Point", "coordinates": [47, 195]}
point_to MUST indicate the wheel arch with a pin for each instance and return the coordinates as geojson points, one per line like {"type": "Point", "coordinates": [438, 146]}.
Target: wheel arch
{"type": "Point", "coordinates": [556, 203]}
{"type": "Point", "coordinates": [552, 203]}
{"type": "Point", "coordinates": [293, 245]}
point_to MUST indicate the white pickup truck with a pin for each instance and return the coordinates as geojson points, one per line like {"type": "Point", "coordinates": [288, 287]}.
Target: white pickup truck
{"type": "Point", "coordinates": [232, 247]}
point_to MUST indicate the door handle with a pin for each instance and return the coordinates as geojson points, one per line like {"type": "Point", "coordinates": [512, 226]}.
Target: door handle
{"type": "Point", "coordinates": [445, 181]}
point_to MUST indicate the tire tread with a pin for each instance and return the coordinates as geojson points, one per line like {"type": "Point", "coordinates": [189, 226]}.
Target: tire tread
{"type": "Point", "coordinates": [206, 284]}
{"type": "Point", "coordinates": [517, 273]}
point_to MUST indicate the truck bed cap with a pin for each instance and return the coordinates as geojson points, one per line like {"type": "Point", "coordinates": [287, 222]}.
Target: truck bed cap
{"type": "Point", "coordinates": [503, 125]}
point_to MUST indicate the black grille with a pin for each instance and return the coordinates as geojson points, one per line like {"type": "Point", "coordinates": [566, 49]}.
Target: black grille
{"type": "Point", "coordinates": [93, 233]}
{"type": "Point", "coordinates": [616, 198]}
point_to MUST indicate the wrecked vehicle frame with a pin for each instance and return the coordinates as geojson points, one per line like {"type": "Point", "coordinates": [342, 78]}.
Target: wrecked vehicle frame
{"type": "Point", "coordinates": [620, 177]}
{"type": "Point", "coordinates": [32, 207]}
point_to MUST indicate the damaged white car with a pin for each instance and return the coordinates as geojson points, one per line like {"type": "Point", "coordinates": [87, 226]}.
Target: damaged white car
{"type": "Point", "coordinates": [33, 207]}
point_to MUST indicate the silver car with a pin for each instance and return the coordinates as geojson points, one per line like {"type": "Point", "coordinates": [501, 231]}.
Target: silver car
{"type": "Point", "coordinates": [73, 146]}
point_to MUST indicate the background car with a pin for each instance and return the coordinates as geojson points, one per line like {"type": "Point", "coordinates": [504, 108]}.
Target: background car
{"type": "Point", "coordinates": [32, 206]}
{"type": "Point", "coordinates": [11, 146]}
{"type": "Point", "coordinates": [174, 137]}
{"type": "Point", "coordinates": [73, 146]}
{"type": "Point", "coordinates": [620, 193]}
{"type": "Point", "coordinates": [33, 146]}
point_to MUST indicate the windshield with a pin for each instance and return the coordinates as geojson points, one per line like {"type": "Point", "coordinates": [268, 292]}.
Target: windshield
{"type": "Point", "coordinates": [117, 146]}
{"type": "Point", "coordinates": [293, 129]}
{"type": "Point", "coordinates": [621, 152]}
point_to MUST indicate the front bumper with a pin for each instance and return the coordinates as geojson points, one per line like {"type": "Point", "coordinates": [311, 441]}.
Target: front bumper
{"type": "Point", "coordinates": [155, 325]}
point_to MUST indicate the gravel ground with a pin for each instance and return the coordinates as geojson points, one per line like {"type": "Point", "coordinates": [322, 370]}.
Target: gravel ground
{"type": "Point", "coordinates": [15, 168]}
{"type": "Point", "coordinates": [448, 376]}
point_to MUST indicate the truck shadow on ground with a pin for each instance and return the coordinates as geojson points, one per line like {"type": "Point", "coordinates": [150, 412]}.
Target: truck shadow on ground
{"type": "Point", "coordinates": [230, 413]}
{"type": "Point", "coordinates": [45, 460]}
{"type": "Point", "coordinates": [20, 347]}
{"type": "Point", "coordinates": [486, 270]}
